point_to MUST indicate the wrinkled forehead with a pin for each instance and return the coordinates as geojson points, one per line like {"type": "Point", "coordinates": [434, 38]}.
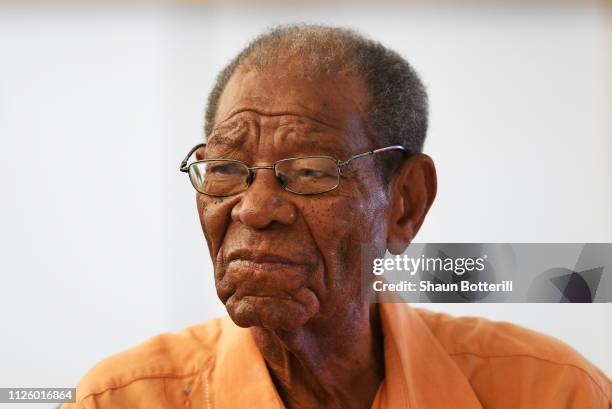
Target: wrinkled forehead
{"type": "Point", "coordinates": [279, 100]}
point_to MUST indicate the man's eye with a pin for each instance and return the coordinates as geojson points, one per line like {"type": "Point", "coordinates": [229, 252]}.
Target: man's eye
{"type": "Point", "coordinates": [224, 170]}
{"type": "Point", "coordinates": [311, 173]}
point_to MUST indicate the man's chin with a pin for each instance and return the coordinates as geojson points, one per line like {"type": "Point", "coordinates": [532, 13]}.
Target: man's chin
{"type": "Point", "coordinates": [270, 312]}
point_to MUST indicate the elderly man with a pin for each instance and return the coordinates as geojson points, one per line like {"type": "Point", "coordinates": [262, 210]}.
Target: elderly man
{"type": "Point", "coordinates": [313, 147]}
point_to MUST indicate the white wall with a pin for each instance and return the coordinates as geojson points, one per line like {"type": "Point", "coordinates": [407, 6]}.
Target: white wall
{"type": "Point", "coordinates": [100, 242]}
{"type": "Point", "coordinates": [81, 232]}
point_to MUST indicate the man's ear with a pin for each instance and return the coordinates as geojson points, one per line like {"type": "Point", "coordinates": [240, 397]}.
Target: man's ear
{"type": "Point", "coordinates": [412, 191]}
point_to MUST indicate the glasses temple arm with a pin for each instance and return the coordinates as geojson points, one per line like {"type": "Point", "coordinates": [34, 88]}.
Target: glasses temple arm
{"type": "Point", "coordinates": [360, 155]}
{"type": "Point", "coordinates": [183, 167]}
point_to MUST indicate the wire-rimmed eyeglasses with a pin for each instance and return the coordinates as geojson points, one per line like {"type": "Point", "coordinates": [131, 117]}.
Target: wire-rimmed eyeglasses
{"type": "Point", "coordinates": [302, 175]}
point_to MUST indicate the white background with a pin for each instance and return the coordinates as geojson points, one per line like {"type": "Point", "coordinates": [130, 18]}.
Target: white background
{"type": "Point", "coordinates": [100, 245]}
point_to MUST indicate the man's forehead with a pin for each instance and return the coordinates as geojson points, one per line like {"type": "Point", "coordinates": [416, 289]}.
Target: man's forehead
{"type": "Point", "coordinates": [289, 119]}
{"type": "Point", "coordinates": [294, 100]}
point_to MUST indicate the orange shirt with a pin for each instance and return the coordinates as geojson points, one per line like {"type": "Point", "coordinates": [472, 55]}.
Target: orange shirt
{"type": "Point", "coordinates": [432, 361]}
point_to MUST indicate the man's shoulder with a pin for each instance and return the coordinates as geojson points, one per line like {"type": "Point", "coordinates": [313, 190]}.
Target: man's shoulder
{"type": "Point", "coordinates": [498, 356]}
{"type": "Point", "coordinates": [165, 356]}
{"type": "Point", "coordinates": [489, 339]}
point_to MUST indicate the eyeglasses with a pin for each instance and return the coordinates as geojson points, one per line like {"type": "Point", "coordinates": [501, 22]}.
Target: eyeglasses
{"type": "Point", "coordinates": [303, 175]}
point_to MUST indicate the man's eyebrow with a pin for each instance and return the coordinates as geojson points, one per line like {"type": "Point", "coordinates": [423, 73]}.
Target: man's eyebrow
{"type": "Point", "coordinates": [223, 139]}
{"type": "Point", "coordinates": [315, 143]}
{"type": "Point", "coordinates": [232, 134]}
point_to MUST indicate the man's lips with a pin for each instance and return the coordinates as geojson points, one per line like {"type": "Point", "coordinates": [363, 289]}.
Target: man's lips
{"type": "Point", "coordinates": [262, 258]}
{"type": "Point", "coordinates": [263, 266]}
{"type": "Point", "coordinates": [262, 261]}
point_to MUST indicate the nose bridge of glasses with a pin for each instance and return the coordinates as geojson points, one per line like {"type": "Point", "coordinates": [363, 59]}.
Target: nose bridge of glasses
{"type": "Point", "coordinates": [251, 168]}
{"type": "Point", "coordinates": [272, 167]}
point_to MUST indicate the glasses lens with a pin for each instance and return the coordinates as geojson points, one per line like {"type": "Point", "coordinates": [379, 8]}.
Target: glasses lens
{"type": "Point", "coordinates": [308, 175]}
{"type": "Point", "coordinates": [219, 177]}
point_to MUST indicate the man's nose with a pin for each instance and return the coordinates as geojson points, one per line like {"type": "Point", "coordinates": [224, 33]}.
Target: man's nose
{"type": "Point", "coordinates": [264, 203]}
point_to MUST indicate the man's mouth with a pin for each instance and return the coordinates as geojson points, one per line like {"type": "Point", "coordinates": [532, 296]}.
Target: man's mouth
{"type": "Point", "coordinates": [262, 273]}
{"type": "Point", "coordinates": [262, 261]}
{"type": "Point", "coordinates": [260, 265]}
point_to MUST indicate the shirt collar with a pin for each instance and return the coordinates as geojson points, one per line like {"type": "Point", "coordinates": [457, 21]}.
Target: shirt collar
{"type": "Point", "coordinates": [240, 377]}
{"type": "Point", "coordinates": [419, 374]}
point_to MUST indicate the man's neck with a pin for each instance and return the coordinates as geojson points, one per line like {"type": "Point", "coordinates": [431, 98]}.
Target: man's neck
{"type": "Point", "coordinates": [337, 364]}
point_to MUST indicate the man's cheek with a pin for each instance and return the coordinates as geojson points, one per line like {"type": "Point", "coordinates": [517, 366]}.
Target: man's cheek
{"type": "Point", "coordinates": [343, 227]}
{"type": "Point", "coordinates": [334, 227]}
{"type": "Point", "coordinates": [214, 214]}
{"type": "Point", "coordinates": [343, 218]}
{"type": "Point", "coordinates": [224, 286]}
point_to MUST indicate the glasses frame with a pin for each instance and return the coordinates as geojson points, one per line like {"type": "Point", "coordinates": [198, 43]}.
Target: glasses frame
{"type": "Point", "coordinates": [184, 167]}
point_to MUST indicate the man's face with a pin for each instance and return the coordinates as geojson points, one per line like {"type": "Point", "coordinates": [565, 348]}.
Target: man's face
{"type": "Point", "coordinates": [282, 260]}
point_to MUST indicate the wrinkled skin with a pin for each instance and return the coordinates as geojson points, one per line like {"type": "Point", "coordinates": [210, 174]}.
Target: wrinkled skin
{"type": "Point", "coordinates": [288, 266]}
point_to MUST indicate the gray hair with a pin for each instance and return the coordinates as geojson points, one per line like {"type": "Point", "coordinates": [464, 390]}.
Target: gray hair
{"type": "Point", "coordinates": [399, 110]}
